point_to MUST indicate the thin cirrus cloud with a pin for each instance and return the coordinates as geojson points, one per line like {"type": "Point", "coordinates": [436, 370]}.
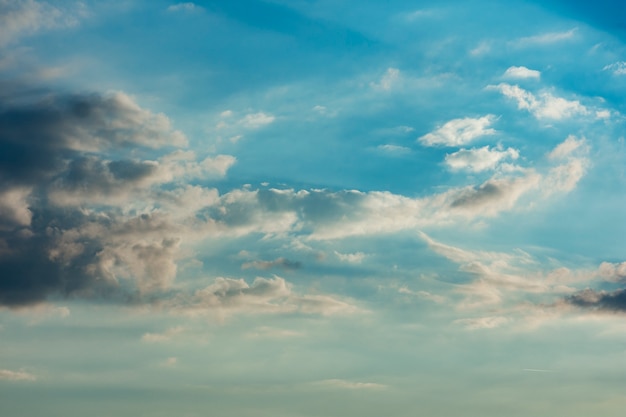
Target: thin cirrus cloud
{"type": "Point", "coordinates": [545, 105]}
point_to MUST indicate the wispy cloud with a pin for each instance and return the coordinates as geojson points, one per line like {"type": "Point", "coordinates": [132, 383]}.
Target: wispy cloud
{"type": "Point", "coordinates": [459, 132]}
{"type": "Point", "coordinates": [9, 375]}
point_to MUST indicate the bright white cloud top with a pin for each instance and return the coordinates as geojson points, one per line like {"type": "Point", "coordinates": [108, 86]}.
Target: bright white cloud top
{"type": "Point", "coordinates": [312, 208]}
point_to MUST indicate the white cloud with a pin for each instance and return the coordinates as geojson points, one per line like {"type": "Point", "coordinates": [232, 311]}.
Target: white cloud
{"type": "Point", "coordinates": [26, 17]}
{"type": "Point", "coordinates": [265, 332]}
{"type": "Point", "coordinates": [545, 106]}
{"type": "Point", "coordinates": [423, 295]}
{"type": "Point", "coordinates": [8, 375]}
{"type": "Point", "coordinates": [521, 72]}
{"type": "Point", "coordinates": [569, 147]}
{"type": "Point", "coordinates": [351, 385]}
{"type": "Point", "coordinates": [388, 80]}
{"type": "Point", "coordinates": [393, 149]}
{"type": "Point", "coordinates": [256, 120]}
{"type": "Point", "coordinates": [618, 68]}
{"type": "Point", "coordinates": [546, 38]}
{"type": "Point", "coordinates": [482, 322]}
{"type": "Point", "coordinates": [228, 296]}
{"type": "Point", "coordinates": [459, 132]}
{"type": "Point", "coordinates": [184, 7]}
{"type": "Point", "coordinates": [162, 337]}
{"type": "Point", "coordinates": [355, 258]}
{"type": "Point", "coordinates": [169, 362]}
{"type": "Point", "coordinates": [479, 159]}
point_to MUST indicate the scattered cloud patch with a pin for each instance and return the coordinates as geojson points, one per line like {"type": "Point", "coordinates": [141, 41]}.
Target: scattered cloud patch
{"type": "Point", "coordinates": [546, 38]}
{"type": "Point", "coordinates": [355, 258]}
{"type": "Point", "coordinates": [9, 375]}
{"type": "Point", "coordinates": [256, 120]}
{"type": "Point", "coordinates": [544, 106]}
{"type": "Point", "coordinates": [393, 149]}
{"type": "Point", "coordinates": [184, 7]}
{"type": "Point", "coordinates": [618, 68]}
{"type": "Point", "coordinates": [479, 159]}
{"type": "Point", "coordinates": [425, 295]}
{"type": "Point", "coordinates": [459, 132]}
{"type": "Point", "coordinates": [351, 385]}
{"type": "Point", "coordinates": [277, 263]}
{"type": "Point", "coordinates": [521, 73]}
{"type": "Point", "coordinates": [482, 322]}
{"type": "Point", "coordinates": [388, 80]}
{"type": "Point", "coordinates": [162, 337]}
{"type": "Point", "coordinates": [608, 301]}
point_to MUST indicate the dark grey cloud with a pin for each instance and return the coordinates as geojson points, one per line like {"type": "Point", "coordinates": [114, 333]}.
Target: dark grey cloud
{"type": "Point", "coordinates": [58, 144]}
{"type": "Point", "coordinates": [614, 301]}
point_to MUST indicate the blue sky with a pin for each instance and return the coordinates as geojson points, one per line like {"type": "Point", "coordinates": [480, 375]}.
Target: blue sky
{"type": "Point", "coordinates": [312, 208]}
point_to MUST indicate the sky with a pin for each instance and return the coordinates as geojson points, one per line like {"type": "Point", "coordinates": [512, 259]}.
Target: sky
{"type": "Point", "coordinates": [312, 208]}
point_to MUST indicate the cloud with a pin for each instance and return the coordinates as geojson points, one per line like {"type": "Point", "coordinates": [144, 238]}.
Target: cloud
{"type": "Point", "coordinates": [277, 263]}
{"type": "Point", "coordinates": [423, 295]}
{"type": "Point", "coordinates": [228, 296]}
{"type": "Point", "coordinates": [546, 38]}
{"type": "Point", "coordinates": [459, 132]}
{"type": "Point", "coordinates": [350, 385]}
{"type": "Point", "coordinates": [388, 80]}
{"type": "Point", "coordinates": [545, 106]}
{"type": "Point", "coordinates": [571, 146]}
{"type": "Point", "coordinates": [265, 332]}
{"type": "Point", "coordinates": [482, 322]}
{"type": "Point", "coordinates": [609, 301]}
{"type": "Point", "coordinates": [618, 68]}
{"type": "Point", "coordinates": [256, 120]}
{"type": "Point", "coordinates": [8, 375]}
{"type": "Point", "coordinates": [521, 72]}
{"type": "Point", "coordinates": [184, 7]}
{"type": "Point", "coordinates": [479, 159]}
{"type": "Point", "coordinates": [393, 149]}
{"type": "Point", "coordinates": [356, 257]}
{"type": "Point", "coordinates": [20, 18]}
{"type": "Point", "coordinates": [162, 337]}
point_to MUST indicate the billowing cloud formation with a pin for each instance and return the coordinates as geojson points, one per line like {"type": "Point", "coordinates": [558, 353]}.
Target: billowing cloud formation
{"type": "Point", "coordinates": [546, 106]}
{"type": "Point", "coordinates": [479, 159]}
{"type": "Point", "coordinates": [459, 132]}
{"type": "Point", "coordinates": [57, 164]}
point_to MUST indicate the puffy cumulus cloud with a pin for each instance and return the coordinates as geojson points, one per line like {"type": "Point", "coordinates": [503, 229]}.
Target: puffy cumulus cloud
{"type": "Point", "coordinates": [617, 68]}
{"type": "Point", "coordinates": [276, 263]}
{"type": "Point", "coordinates": [20, 18]}
{"type": "Point", "coordinates": [76, 221]}
{"type": "Point", "coordinates": [227, 296]}
{"type": "Point", "coordinates": [459, 132]}
{"type": "Point", "coordinates": [521, 72]}
{"type": "Point", "coordinates": [613, 272]}
{"type": "Point", "coordinates": [544, 106]}
{"type": "Point", "coordinates": [9, 375]}
{"type": "Point", "coordinates": [479, 159]}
